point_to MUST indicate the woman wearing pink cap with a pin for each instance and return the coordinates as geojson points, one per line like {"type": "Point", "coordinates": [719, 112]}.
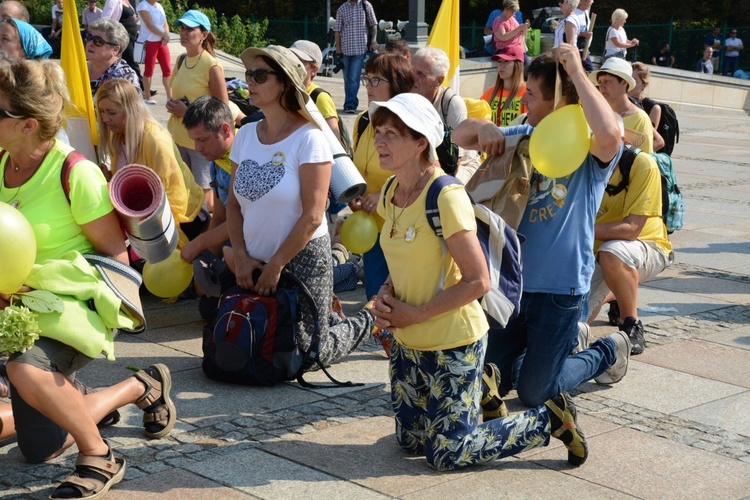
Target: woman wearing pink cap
{"type": "Point", "coordinates": [505, 96]}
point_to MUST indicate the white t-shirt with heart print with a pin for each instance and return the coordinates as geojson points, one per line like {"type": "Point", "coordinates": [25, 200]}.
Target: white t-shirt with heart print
{"type": "Point", "coordinates": [267, 185]}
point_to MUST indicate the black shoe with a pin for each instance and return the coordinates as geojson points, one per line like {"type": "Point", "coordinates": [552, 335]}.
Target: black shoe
{"type": "Point", "coordinates": [614, 313]}
{"type": "Point", "coordinates": [634, 328]}
{"type": "Point", "coordinates": [154, 92]}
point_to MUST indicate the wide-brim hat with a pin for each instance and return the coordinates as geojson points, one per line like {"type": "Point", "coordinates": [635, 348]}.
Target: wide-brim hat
{"type": "Point", "coordinates": [290, 65]}
{"type": "Point", "coordinates": [418, 114]}
{"type": "Point", "coordinates": [618, 67]}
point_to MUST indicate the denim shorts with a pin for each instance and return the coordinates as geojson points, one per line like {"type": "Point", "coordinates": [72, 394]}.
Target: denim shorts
{"type": "Point", "coordinates": [38, 436]}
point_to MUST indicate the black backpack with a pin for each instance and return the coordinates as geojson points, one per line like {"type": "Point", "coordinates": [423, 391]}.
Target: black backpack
{"type": "Point", "coordinates": [669, 126]}
{"type": "Point", "coordinates": [447, 151]}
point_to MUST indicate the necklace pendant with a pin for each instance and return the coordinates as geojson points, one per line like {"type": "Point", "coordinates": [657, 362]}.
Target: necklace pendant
{"type": "Point", "coordinates": [278, 159]}
{"type": "Point", "coordinates": [410, 234]}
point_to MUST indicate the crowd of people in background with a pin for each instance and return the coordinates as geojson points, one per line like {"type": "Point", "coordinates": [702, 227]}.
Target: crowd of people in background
{"type": "Point", "coordinates": [225, 182]}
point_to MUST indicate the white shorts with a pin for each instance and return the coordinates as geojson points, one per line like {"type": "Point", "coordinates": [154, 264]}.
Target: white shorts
{"type": "Point", "coordinates": [645, 256]}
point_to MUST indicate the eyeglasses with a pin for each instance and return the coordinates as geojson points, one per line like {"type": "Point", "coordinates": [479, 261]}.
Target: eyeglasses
{"type": "Point", "coordinates": [374, 81]}
{"type": "Point", "coordinates": [4, 113]}
{"type": "Point", "coordinates": [260, 75]}
{"type": "Point", "coordinates": [97, 40]}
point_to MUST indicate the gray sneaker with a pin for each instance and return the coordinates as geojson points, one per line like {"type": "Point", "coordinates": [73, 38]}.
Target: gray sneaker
{"type": "Point", "coordinates": [584, 334]}
{"type": "Point", "coordinates": [617, 371]}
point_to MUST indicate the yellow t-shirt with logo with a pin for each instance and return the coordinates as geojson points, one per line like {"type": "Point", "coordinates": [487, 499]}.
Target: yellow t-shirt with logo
{"type": "Point", "coordinates": [416, 267]}
{"type": "Point", "coordinates": [507, 115]}
{"type": "Point", "coordinates": [642, 197]}
{"type": "Point", "coordinates": [641, 123]}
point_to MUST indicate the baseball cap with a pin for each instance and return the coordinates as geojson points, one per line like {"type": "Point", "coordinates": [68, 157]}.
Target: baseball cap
{"type": "Point", "coordinates": [307, 51]}
{"type": "Point", "coordinates": [418, 114]}
{"type": "Point", "coordinates": [510, 53]}
{"type": "Point", "coordinates": [193, 19]}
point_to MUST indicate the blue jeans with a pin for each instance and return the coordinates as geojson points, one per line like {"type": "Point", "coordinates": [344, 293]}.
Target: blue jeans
{"type": "Point", "coordinates": [352, 75]}
{"type": "Point", "coordinates": [376, 269]}
{"type": "Point", "coordinates": [532, 352]}
{"type": "Point", "coordinates": [731, 64]}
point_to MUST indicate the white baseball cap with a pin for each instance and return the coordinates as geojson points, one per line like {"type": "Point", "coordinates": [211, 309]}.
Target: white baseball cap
{"type": "Point", "coordinates": [307, 51]}
{"type": "Point", "coordinates": [418, 114]}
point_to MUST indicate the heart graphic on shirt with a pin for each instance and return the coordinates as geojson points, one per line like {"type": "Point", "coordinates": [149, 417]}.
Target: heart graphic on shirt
{"type": "Point", "coordinates": [253, 181]}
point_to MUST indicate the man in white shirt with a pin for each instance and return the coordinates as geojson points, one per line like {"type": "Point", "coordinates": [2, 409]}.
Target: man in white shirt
{"type": "Point", "coordinates": [91, 14]}
{"type": "Point", "coordinates": [732, 47]}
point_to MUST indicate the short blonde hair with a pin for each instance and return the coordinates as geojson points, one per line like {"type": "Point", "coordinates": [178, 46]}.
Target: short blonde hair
{"type": "Point", "coordinates": [642, 71]}
{"type": "Point", "coordinates": [512, 5]}
{"type": "Point", "coordinates": [619, 15]}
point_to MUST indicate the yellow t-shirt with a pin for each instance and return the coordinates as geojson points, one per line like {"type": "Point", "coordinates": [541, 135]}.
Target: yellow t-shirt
{"type": "Point", "coordinates": [367, 162]}
{"type": "Point", "coordinates": [642, 197]}
{"type": "Point", "coordinates": [416, 267]}
{"type": "Point", "coordinates": [324, 102]}
{"type": "Point", "coordinates": [41, 199]}
{"type": "Point", "coordinates": [641, 123]}
{"type": "Point", "coordinates": [159, 153]}
{"type": "Point", "coordinates": [510, 113]}
{"type": "Point", "coordinates": [191, 81]}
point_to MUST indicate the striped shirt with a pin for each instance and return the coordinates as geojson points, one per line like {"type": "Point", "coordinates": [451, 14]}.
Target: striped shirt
{"type": "Point", "coordinates": [353, 21]}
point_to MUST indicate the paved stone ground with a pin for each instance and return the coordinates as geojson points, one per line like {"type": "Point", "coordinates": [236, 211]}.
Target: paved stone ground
{"type": "Point", "coordinates": [675, 427]}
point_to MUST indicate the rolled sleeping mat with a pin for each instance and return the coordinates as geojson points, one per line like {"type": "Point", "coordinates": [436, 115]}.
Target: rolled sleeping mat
{"type": "Point", "coordinates": [141, 203]}
{"type": "Point", "coordinates": [346, 181]}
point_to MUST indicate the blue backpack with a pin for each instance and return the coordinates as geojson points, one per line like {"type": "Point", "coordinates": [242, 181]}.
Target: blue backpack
{"type": "Point", "coordinates": [501, 246]}
{"type": "Point", "coordinates": [672, 204]}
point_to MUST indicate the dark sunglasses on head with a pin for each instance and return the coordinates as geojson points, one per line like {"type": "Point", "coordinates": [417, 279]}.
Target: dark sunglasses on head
{"type": "Point", "coordinates": [97, 40]}
{"type": "Point", "coordinates": [260, 75]}
{"type": "Point", "coordinates": [4, 113]}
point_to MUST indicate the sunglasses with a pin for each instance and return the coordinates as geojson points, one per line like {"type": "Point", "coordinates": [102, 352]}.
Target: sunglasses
{"type": "Point", "coordinates": [260, 75]}
{"type": "Point", "coordinates": [97, 40]}
{"type": "Point", "coordinates": [374, 81]}
{"type": "Point", "coordinates": [4, 113]}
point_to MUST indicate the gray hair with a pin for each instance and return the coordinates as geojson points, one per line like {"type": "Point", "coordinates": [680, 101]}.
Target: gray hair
{"type": "Point", "coordinates": [511, 4]}
{"type": "Point", "coordinates": [573, 3]}
{"type": "Point", "coordinates": [439, 59]}
{"type": "Point", "coordinates": [114, 32]}
{"type": "Point", "coordinates": [619, 15]}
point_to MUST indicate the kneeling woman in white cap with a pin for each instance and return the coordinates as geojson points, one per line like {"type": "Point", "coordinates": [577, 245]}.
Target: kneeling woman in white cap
{"type": "Point", "coordinates": [440, 333]}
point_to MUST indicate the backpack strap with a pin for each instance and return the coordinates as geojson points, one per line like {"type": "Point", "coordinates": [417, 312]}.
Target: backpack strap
{"type": "Point", "coordinates": [388, 185]}
{"type": "Point", "coordinates": [181, 60]}
{"type": "Point", "coordinates": [625, 165]}
{"type": "Point", "coordinates": [315, 93]}
{"type": "Point", "coordinates": [70, 161]}
{"type": "Point", "coordinates": [431, 202]}
{"type": "Point", "coordinates": [362, 123]}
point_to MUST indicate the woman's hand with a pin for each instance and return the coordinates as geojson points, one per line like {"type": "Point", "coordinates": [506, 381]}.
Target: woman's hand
{"type": "Point", "coordinates": [244, 265]}
{"type": "Point", "coordinates": [367, 203]}
{"type": "Point", "coordinates": [176, 107]}
{"type": "Point", "coordinates": [391, 313]}
{"type": "Point", "coordinates": [268, 279]}
{"type": "Point", "coordinates": [5, 297]}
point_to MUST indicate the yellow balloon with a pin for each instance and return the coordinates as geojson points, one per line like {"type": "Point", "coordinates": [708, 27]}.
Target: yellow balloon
{"type": "Point", "coordinates": [359, 232]}
{"type": "Point", "coordinates": [169, 277]}
{"type": "Point", "coordinates": [560, 142]}
{"type": "Point", "coordinates": [17, 248]}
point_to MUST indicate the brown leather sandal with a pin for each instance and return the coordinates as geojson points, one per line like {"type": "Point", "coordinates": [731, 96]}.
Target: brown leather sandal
{"type": "Point", "coordinates": [160, 413]}
{"type": "Point", "coordinates": [93, 477]}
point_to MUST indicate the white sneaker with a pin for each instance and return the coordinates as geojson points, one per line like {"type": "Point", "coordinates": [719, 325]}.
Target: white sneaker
{"type": "Point", "coordinates": [584, 334]}
{"type": "Point", "coordinates": [617, 371]}
{"type": "Point", "coordinates": [150, 102]}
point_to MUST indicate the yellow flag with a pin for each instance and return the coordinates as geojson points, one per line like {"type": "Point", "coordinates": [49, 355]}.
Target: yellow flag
{"type": "Point", "coordinates": [81, 127]}
{"type": "Point", "coordinates": [444, 35]}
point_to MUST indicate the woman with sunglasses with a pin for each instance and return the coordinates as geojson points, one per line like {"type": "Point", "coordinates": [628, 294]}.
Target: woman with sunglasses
{"type": "Point", "coordinates": [47, 412]}
{"type": "Point", "coordinates": [281, 171]}
{"type": "Point", "coordinates": [386, 75]}
{"type": "Point", "coordinates": [198, 73]}
{"type": "Point", "coordinates": [20, 40]}
{"type": "Point", "coordinates": [429, 303]}
{"type": "Point", "coordinates": [130, 134]}
{"type": "Point", "coordinates": [105, 40]}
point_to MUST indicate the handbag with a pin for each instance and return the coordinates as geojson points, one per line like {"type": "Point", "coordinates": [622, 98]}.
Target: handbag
{"type": "Point", "coordinates": [139, 52]}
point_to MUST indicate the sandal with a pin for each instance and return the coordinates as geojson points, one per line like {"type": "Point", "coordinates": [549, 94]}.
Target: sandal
{"type": "Point", "coordinates": [92, 478]}
{"type": "Point", "coordinates": [159, 414]}
{"type": "Point", "coordinates": [109, 419]}
{"type": "Point", "coordinates": [563, 419]}
{"type": "Point", "coordinates": [492, 404]}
